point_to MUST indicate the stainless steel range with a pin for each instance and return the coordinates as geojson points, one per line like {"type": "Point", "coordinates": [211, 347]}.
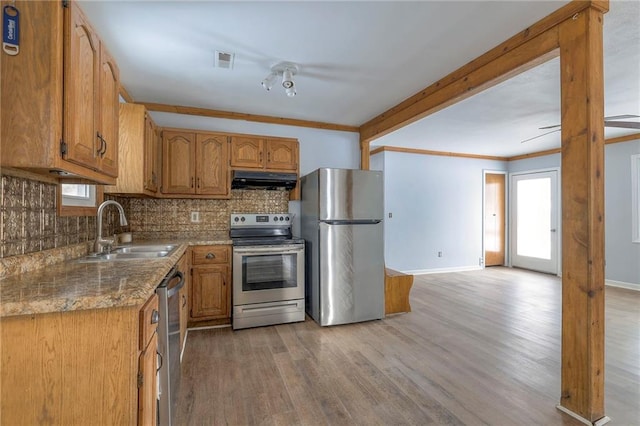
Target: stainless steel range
{"type": "Point", "coordinates": [268, 270]}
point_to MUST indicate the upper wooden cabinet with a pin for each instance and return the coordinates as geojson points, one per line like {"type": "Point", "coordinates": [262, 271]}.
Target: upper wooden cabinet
{"type": "Point", "coordinates": [139, 152]}
{"type": "Point", "coordinates": [258, 153]}
{"type": "Point", "coordinates": [195, 164]}
{"type": "Point", "coordinates": [59, 97]}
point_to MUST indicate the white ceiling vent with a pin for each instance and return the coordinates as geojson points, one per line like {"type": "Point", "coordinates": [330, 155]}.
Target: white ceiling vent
{"type": "Point", "coordinates": [224, 60]}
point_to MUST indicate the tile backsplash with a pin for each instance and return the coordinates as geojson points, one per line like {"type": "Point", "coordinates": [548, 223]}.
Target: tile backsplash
{"type": "Point", "coordinates": [29, 220]}
{"type": "Point", "coordinates": [147, 216]}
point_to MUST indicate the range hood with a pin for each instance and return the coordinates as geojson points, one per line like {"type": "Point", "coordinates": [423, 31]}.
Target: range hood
{"type": "Point", "coordinates": [243, 179]}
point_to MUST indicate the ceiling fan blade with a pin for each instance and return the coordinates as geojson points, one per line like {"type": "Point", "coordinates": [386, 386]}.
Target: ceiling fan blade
{"type": "Point", "coordinates": [548, 127]}
{"type": "Point", "coordinates": [623, 124]}
{"type": "Point", "coordinates": [621, 117]}
{"type": "Point", "coordinates": [606, 119]}
{"type": "Point", "coordinates": [539, 136]}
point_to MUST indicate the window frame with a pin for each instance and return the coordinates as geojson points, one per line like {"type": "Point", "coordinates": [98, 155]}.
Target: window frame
{"type": "Point", "coordinates": [73, 209]}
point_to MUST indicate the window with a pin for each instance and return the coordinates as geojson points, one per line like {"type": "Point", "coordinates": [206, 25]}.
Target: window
{"type": "Point", "coordinates": [78, 199]}
{"type": "Point", "coordinates": [635, 197]}
{"type": "Point", "coordinates": [78, 195]}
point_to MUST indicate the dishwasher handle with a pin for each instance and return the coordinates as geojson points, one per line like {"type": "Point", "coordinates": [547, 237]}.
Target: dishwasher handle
{"type": "Point", "coordinates": [176, 288]}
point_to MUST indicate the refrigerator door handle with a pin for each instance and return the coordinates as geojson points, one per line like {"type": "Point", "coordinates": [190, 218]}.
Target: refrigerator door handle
{"type": "Point", "coordinates": [352, 222]}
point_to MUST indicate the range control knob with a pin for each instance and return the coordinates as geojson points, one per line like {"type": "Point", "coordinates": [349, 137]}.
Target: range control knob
{"type": "Point", "coordinates": [242, 219]}
{"type": "Point", "coordinates": [236, 219]}
{"type": "Point", "coordinates": [286, 218]}
{"type": "Point", "coordinates": [275, 218]}
{"type": "Point", "coordinates": [281, 218]}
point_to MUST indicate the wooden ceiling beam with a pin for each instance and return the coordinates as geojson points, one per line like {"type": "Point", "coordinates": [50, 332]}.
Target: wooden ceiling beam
{"type": "Point", "coordinates": [431, 99]}
{"type": "Point", "coordinates": [205, 112]}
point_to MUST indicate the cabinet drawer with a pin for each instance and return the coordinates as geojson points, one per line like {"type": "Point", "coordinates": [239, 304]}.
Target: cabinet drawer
{"type": "Point", "coordinates": [149, 317]}
{"type": "Point", "coordinates": [202, 255]}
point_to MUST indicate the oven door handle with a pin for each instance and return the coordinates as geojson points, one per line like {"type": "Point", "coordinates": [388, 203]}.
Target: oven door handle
{"type": "Point", "coordinates": [274, 250]}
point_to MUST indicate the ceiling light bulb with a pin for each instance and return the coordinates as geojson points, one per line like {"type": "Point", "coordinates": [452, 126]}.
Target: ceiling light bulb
{"type": "Point", "coordinates": [287, 79]}
{"type": "Point", "coordinates": [267, 83]}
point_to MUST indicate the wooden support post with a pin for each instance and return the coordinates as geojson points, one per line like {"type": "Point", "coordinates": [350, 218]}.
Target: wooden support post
{"type": "Point", "coordinates": [582, 106]}
{"type": "Point", "coordinates": [365, 154]}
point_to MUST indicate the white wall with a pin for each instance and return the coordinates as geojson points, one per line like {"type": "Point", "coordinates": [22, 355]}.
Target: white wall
{"type": "Point", "coordinates": [436, 203]}
{"type": "Point", "coordinates": [318, 148]}
{"type": "Point", "coordinates": [622, 256]}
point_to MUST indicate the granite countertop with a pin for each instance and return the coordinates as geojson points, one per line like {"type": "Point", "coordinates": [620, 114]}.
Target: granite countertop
{"type": "Point", "coordinates": [71, 285]}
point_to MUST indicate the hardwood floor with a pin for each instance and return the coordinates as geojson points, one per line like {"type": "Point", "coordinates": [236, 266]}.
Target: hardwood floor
{"type": "Point", "coordinates": [479, 348]}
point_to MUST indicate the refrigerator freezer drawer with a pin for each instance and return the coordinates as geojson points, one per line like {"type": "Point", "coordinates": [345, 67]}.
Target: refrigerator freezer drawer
{"type": "Point", "coordinates": [351, 273]}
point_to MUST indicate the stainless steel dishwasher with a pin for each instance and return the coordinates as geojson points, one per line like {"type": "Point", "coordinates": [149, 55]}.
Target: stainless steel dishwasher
{"type": "Point", "coordinates": [169, 345]}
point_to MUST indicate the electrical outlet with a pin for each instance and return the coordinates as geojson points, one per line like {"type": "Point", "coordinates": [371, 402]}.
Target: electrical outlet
{"type": "Point", "coordinates": [390, 215]}
{"type": "Point", "coordinates": [195, 217]}
{"type": "Point", "coordinates": [439, 254]}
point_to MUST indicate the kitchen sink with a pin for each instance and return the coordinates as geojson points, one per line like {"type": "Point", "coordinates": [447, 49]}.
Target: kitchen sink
{"type": "Point", "coordinates": [133, 252]}
{"type": "Point", "coordinates": [143, 248]}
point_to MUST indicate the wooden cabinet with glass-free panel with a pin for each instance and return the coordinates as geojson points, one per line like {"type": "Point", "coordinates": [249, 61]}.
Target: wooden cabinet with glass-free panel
{"type": "Point", "coordinates": [210, 284]}
{"type": "Point", "coordinates": [184, 265]}
{"type": "Point", "coordinates": [255, 152]}
{"type": "Point", "coordinates": [195, 164]}
{"type": "Point", "coordinates": [139, 153]}
{"type": "Point", "coordinates": [112, 352]}
{"type": "Point", "coordinates": [60, 120]}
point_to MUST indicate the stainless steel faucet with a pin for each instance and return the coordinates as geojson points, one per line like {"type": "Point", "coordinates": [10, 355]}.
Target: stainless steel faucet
{"type": "Point", "coordinates": [100, 242]}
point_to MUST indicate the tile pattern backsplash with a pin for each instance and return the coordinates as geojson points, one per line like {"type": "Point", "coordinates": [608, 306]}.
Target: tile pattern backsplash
{"type": "Point", "coordinates": [29, 220]}
{"type": "Point", "coordinates": [147, 216]}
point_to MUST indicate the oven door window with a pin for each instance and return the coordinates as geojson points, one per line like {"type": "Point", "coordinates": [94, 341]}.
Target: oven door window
{"type": "Point", "coordinates": [269, 271]}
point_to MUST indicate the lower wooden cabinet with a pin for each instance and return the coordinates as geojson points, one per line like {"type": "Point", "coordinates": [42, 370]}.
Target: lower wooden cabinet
{"type": "Point", "coordinates": [148, 383]}
{"type": "Point", "coordinates": [210, 283]}
{"type": "Point", "coordinates": [80, 367]}
{"type": "Point", "coordinates": [184, 265]}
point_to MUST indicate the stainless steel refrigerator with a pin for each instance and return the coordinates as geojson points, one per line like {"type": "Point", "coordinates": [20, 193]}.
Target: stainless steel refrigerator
{"type": "Point", "coordinates": [341, 222]}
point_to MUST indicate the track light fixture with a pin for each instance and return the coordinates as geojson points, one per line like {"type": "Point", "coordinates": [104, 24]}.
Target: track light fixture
{"type": "Point", "coordinates": [287, 70]}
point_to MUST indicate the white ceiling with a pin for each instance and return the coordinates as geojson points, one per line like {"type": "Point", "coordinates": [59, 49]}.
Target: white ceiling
{"type": "Point", "coordinates": [357, 59]}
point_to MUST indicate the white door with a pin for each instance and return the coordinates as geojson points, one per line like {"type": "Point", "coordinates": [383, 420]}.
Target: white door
{"type": "Point", "coordinates": [534, 224]}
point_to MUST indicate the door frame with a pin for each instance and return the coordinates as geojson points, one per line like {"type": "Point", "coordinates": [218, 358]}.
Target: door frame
{"type": "Point", "coordinates": [507, 242]}
{"type": "Point", "coordinates": [511, 207]}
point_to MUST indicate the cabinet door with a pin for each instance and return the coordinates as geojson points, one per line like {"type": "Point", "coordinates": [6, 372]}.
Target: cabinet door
{"type": "Point", "coordinates": [183, 294]}
{"type": "Point", "coordinates": [282, 154]}
{"type": "Point", "coordinates": [81, 76]}
{"type": "Point", "coordinates": [150, 155]}
{"type": "Point", "coordinates": [212, 159]}
{"type": "Point", "coordinates": [147, 383]}
{"type": "Point", "coordinates": [178, 160]}
{"type": "Point", "coordinates": [108, 113]}
{"type": "Point", "coordinates": [210, 292]}
{"type": "Point", "coordinates": [246, 152]}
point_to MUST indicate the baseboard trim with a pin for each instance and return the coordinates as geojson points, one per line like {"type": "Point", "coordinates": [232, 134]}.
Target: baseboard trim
{"type": "Point", "coordinates": [622, 284]}
{"type": "Point", "coordinates": [600, 422]}
{"type": "Point", "coordinates": [442, 270]}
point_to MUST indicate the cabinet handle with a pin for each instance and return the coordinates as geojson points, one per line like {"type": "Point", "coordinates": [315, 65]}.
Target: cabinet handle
{"type": "Point", "coordinates": [269, 156]}
{"type": "Point", "coordinates": [99, 151]}
{"type": "Point", "coordinates": [198, 180]}
{"type": "Point", "coordinates": [261, 157]}
{"type": "Point", "coordinates": [210, 256]}
{"type": "Point", "coordinates": [184, 300]}
{"type": "Point", "coordinates": [153, 177]}
{"type": "Point", "coordinates": [192, 181]}
{"type": "Point", "coordinates": [155, 317]}
{"type": "Point", "coordinates": [161, 359]}
{"type": "Point", "coordinates": [105, 148]}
